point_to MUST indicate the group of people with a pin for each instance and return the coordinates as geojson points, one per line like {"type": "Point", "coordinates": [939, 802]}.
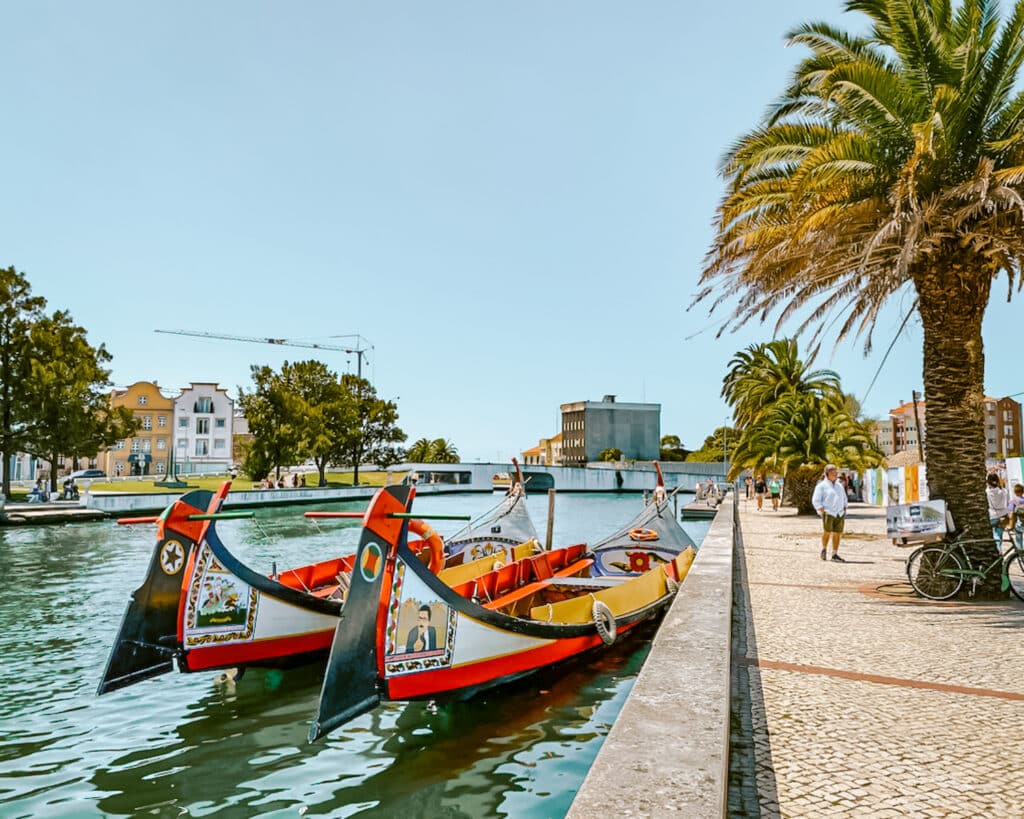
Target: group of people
{"type": "Point", "coordinates": [284, 482]}
{"type": "Point", "coordinates": [39, 493]}
{"type": "Point", "coordinates": [1005, 511]}
{"type": "Point", "coordinates": [760, 488]}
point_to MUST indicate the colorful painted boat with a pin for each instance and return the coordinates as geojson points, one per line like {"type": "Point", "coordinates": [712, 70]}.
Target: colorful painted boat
{"type": "Point", "coordinates": [507, 524]}
{"type": "Point", "coordinates": [652, 538]}
{"type": "Point", "coordinates": [201, 608]}
{"type": "Point", "coordinates": [405, 634]}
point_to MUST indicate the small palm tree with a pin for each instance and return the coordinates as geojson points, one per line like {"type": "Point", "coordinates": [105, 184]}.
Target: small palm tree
{"type": "Point", "coordinates": [419, 452]}
{"type": "Point", "coordinates": [893, 163]}
{"type": "Point", "coordinates": [443, 452]}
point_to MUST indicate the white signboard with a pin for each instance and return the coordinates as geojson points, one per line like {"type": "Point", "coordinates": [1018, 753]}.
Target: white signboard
{"type": "Point", "coordinates": [921, 520]}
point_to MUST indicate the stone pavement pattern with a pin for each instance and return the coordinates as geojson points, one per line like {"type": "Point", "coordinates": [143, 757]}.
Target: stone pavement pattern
{"type": "Point", "coordinates": [863, 700]}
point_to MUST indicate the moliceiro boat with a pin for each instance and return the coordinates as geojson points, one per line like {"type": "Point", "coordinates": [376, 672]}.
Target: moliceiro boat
{"type": "Point", "coordinates": [507, 524]}
{"type": "Point", "coordinates": [407, 634]}
{"type": "Point", "coordinates": [653, 538]}
{"type": "Point", "coordinates": [201, 608]}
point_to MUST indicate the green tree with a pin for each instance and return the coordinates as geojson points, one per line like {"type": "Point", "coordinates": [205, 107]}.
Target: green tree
{"type": "Point", "coordinates": [796, 436]}
{"type": "Point", "coordinates": [66, 395]}
{"type": "Point", "coordinates": [672, 449]}
{"type": "Point", "coordinates": [419, 452]}
{"type": "Point", "coordinates": [713, 450]}
{"type": "Point", "coordinates": [443, 451]}
{"type": "Point", "coordinates": [321, 409]}
{"type": "Point", "coordinates": [272, 411]}
{"type": "Point", "coordinates": [375, 432]}
{"type": "Point", "coordinates": [19, 310]}
{"type": "Point", "coordinates": [763, 373]}
{"type": "Point", "coordinates": [610, 455]}
{"type": "Point", "coordinates": [893, 163]}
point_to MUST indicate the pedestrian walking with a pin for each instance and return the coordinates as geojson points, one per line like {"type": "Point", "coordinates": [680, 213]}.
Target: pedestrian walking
{"type": "Point", "coordinates": [829, 501]}
{"type": "Point", "coordinates": [998, 507]}
{"type": "Point", "coordinates": [775, 490]}
{"type": "Point", "coordinates": [749, 484]}
{"type": "Point", "coordinates": [760, 490]}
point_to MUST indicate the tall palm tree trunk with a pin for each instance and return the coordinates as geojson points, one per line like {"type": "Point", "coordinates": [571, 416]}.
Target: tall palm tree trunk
{"type": "Point", "coordinates": [952, 301]}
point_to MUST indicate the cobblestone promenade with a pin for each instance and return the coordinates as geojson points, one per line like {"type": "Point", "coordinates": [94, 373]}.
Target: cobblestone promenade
{"type": "Point", "coordinates": [852, 697]}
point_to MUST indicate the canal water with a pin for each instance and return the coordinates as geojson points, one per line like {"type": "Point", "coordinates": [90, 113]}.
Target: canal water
{"type": "Point", "coordinates": [188, 745]}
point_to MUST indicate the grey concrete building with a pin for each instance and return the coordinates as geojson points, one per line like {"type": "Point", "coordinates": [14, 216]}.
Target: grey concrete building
{"type": "Point", "coordinates": [590, 427]}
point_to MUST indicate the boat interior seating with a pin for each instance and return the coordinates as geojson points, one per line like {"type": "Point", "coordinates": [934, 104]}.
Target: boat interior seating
{"type": "Point", "coordinates": [320, 579]}
{"type": "Point", "coordinates": [630, 596]}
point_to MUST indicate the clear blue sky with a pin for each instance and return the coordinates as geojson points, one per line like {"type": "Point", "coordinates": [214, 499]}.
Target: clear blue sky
{"type": "Point", "coordinates": [510, 201]}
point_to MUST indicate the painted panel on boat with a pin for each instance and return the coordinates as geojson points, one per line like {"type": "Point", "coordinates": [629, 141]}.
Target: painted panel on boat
{"type": "Point", "coordinates": [220, 607]}
{"type": "Point", "coordinates": [632, 560]}
{"type": "Point", "coordinates": [421, 627]}
{"type": "Point", "coordinates": [478, 547]}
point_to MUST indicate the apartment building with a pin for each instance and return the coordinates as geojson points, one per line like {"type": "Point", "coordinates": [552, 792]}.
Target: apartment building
{"type": "Point", "coordinates": [548, 452]}
{"type": "Point", "coordinates": [906, 428]}
{"type": "Point", "coordinates": [148, 450]}
{"type": "Point", "coordinates": [203, 435]}
{"type": "Point", "coordinates": [590, 427]}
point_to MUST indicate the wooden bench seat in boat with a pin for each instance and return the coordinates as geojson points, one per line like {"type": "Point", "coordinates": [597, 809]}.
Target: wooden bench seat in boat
{"type": "Point", "coordinates": [317, 576]}
{"type": "Point", "coordinates": [458, 575]}
{"type": "Point", "coordinates": [632, 595]}
{"type": "Point", "coordinates": [529, 586]}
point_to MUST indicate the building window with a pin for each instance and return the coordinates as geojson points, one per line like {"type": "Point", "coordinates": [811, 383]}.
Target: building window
{"type": "Point", "coordinates": [147, 445]}
{"type": "Point", "coordinates": [147, 421]}
{"type": "Point", "coordinates": [143, 400]}
{"type": "Point", "coordinates": [182, 445]}
{"type": "Point", "coordinates": [218, 444]}
{"type": "Point", "coordinates": [202, 426]}
{"type": "Point", "coordinates": [135, 444]}
{"type": "Point", "coordinates": [161, 421]}
{"type": "Point", "coordinates": [161, 467]}
{"type": "Point", "coordinates": [203, 405]}
{"type": "Point", "coordinates": [119, 444]}
{"type": "Point", "coordinates": [161, 444]}
{"type": "Point", "coordinates": [202, 446]}
{"type": "Point", "coordinates": [219, 423]}
{"type": "Point", "coordinates": [183, 423]}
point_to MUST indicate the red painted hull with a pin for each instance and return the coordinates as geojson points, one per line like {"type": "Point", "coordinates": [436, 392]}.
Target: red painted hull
{"type": "Point", "coordinates": [425, 684]}
{"type": "Point", "coordinates": [259, 652]}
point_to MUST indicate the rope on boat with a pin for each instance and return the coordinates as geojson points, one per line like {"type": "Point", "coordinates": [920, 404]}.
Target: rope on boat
{"type": "Point", "coordinates": [671, 584]}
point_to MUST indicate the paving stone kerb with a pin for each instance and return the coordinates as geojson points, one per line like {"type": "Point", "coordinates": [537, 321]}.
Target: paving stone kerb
{"type": "Point", "coordinates": [668, 752]}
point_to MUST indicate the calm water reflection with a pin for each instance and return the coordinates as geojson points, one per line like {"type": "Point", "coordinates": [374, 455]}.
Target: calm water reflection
{"type": "Point", "coordinates": [185, 745]}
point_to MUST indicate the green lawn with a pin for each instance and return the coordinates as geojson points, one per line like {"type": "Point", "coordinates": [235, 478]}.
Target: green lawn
{"type": "Point", "coordinates": [144, 485]}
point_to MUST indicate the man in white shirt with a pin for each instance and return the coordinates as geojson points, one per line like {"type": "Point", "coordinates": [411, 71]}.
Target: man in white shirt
{"type": "Point", "coordinates": [829, 501]}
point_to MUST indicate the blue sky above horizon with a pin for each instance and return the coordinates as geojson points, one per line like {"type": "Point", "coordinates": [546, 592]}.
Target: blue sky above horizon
{"type": "Point", "coordinates": [511, 202]}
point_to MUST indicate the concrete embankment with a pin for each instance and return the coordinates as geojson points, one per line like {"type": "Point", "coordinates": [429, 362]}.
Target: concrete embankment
{"type": "Point", "coordinates": [668, 752]}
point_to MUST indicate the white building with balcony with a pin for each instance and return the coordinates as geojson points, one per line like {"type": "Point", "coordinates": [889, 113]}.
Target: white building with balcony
{"type": "Point", "coordinates": [203, 429]}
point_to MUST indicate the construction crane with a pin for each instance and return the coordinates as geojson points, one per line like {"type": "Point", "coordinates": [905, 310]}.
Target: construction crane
{"type": "Point", "coordinates": [361, 347]}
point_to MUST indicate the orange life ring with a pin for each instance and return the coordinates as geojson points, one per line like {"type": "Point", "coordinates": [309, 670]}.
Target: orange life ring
{"type": "Point", "coordinates": [643, 534]}
{"type": "Point", "coordinates": [432, 540]}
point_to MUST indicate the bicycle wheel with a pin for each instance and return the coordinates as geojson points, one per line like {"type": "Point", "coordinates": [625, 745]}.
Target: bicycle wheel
{"type": "Point", "coordinates": [935, 573]}
{"type": "Point", "coordinates": [1014, 568]}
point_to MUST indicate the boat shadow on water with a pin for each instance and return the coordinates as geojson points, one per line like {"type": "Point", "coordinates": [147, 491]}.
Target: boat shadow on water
{"type": "Point", "coordinates": [502, 752]}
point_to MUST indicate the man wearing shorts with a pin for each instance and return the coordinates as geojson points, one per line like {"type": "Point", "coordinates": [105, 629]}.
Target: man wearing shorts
{"type": "Point", "coordinates": [829, 502]}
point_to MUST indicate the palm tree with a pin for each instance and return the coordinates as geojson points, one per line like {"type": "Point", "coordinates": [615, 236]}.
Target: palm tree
{"type": "Point", "coordinates": [893, 163]}
{"type": "Point", "coordinates": [763, 373]}
{"type": "Point", "coordinates": [419, 452]}
{"type": "Point", "coordinates": [443, 452]}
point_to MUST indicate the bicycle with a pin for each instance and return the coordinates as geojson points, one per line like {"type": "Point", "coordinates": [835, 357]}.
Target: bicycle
{"type": "Point", "coordinates": [939, 571]}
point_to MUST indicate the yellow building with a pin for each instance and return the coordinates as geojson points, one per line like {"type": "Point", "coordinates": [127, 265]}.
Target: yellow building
{"type": "Point", "coordinates": [147, 452]}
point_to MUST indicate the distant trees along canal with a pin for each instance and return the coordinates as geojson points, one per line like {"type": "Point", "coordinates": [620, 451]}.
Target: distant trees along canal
{"type": "Point", "coordinates": [53, 384]}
